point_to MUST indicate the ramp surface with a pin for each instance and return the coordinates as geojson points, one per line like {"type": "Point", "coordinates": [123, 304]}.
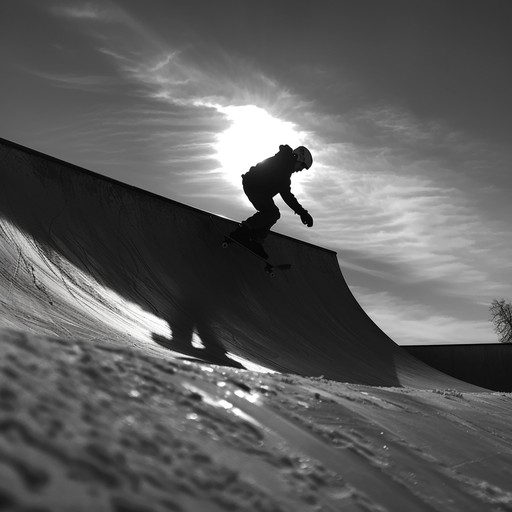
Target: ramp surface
{"type": "Point", "coordinates": [87, 256]}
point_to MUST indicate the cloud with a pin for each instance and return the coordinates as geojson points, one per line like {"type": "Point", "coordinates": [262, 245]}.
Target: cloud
{"type": "Point", "coordinates": [198, 73]}
{"type": "Point", "coordinates": [88, 11]}
{"type": "Point", "coordinates": [412, 323]}
{"type": "Point", "coordinates": [215, 80]}
{"type": "Point", "coordinates": [113, 17]}
{"type": "Point", "coordinates": [88, 83]}
{"type": "Point", "coordinates": [395, 190]}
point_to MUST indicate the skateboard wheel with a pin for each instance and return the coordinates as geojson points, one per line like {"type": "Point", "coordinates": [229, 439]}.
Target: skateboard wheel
{"type": "Point", "coordinates": [224, 245]}
{"type": "Point", "coordinates": [270, 271]}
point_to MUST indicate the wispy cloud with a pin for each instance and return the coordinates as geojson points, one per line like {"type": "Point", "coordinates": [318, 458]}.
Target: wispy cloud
{"type": "Point", "coordinates": [179, 79]}
{"type": "Point", "coordinates": [88, 83]}
{"type": "Point", "coordinates": [88, 11]}
{"type": "Point", "coordinates": [198, 73]}
{"type": "Point", "coordinates": [412, 323]}
{"type": "Point", "coordinates": [395, 190]}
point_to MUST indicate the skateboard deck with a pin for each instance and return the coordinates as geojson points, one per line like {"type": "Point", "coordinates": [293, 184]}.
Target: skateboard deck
{"type": "Point", "coordinates": [269, 267]}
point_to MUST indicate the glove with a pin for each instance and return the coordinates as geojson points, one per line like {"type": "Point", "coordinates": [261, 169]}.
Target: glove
{"type": "Point", "coordinates": [306, 218]}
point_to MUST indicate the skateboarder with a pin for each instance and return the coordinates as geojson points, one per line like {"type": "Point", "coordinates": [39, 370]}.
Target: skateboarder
{"type": "Point", "coordinates": [261, 184]}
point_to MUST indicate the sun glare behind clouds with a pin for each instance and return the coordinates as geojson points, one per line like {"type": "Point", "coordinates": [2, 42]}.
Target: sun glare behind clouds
{"type": "Point", "coordinates": [252, 136]}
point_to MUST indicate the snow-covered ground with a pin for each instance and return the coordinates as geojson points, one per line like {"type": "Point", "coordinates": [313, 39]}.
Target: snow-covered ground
{"type": "Point", "coordinates": [98, 426]}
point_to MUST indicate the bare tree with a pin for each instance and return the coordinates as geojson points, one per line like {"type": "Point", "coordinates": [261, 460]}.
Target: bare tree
{"type": "Point", "coordinates": [501, 317]}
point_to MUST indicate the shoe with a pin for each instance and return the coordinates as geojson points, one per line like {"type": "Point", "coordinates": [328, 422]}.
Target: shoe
{"type": "Point", "coordinates": [241, 234]}
{"type": "Point", "coordinates": [257, 248]}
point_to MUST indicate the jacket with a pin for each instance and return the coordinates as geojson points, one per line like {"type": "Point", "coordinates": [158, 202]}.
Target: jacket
{"type": "Point", "coordinates": [273, 176]}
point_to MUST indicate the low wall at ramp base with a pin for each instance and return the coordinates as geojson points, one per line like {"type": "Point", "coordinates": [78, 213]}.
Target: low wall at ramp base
{"type": "Point", "coordinates": [483, 364]}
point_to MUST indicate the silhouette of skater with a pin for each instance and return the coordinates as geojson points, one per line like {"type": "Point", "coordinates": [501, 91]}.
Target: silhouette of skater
{"type": "Point", "coordinates": [264, 181]}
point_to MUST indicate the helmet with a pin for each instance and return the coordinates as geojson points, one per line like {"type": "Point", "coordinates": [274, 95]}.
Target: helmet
{"type": "Point", "coordinates": [303, 155]}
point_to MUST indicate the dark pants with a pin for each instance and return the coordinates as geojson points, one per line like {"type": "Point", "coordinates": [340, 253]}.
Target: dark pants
{"type": "Point", "coordinates": [267, 213]}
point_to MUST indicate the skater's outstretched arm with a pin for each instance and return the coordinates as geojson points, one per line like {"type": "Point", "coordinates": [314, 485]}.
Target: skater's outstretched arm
{"type": "Point", "coordinates": [292, 202]}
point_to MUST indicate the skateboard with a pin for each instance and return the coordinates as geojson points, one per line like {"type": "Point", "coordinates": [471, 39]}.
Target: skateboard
{"type": "Point", "coordinates": [269, 268]}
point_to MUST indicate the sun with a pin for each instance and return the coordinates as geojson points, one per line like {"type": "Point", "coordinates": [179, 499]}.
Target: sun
{"type": "Point", "coordinates": [252, 136]}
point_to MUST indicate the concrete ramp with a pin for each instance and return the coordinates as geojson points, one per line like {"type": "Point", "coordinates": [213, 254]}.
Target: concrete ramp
{"type": "Point", "coordinates": [86, 256]}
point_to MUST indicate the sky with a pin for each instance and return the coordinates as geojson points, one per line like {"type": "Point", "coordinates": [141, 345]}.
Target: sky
{"type": "Point", "coordinates": [404, 104]}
